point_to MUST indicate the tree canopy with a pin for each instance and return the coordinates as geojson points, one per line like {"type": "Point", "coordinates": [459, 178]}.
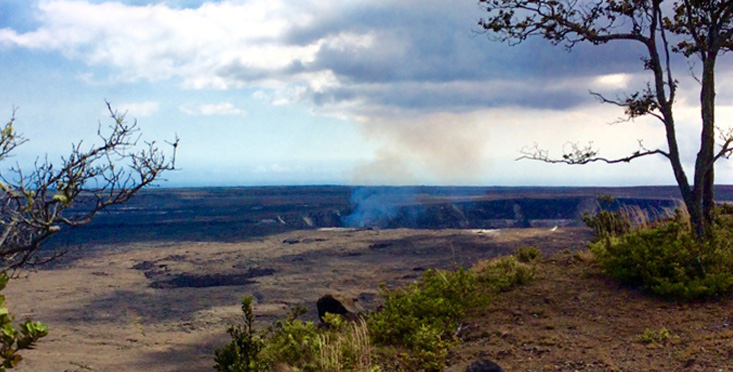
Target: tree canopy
{"type": "Point", "coordinates": [699, 29]}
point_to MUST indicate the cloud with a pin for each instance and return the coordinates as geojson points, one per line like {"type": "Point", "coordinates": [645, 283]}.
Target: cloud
{"type": "Point", "coordinates": [158, 42]}
{"type": "Point", "coordinates": [138, 109]}
{"type": "Point", "coordinates": [347, 58]}
{"type": "Point", "coordinates": [224, 108]}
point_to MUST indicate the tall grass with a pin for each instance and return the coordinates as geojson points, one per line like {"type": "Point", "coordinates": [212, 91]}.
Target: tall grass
{"type": "Point", "coordinates": [352, 347]}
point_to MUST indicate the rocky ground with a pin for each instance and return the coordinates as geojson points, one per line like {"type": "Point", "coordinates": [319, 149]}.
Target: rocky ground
{"type": "Point", "coordinates": [166, 306]}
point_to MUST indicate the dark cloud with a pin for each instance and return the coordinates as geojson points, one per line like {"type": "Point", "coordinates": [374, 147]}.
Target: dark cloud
{"type": "Point", "coordinates": [453, 98]}
{"type": "Point", "coordinates": [416, 47]}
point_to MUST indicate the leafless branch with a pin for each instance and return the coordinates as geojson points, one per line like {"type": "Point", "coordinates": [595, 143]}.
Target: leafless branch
{"type": "Point", "coordinates": [37, 204]}
{"type": "Point", "coordinates": [578, 155]}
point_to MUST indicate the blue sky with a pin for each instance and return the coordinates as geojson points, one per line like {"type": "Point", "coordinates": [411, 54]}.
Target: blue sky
{"type": "Point", "coordinates": [265, 92]}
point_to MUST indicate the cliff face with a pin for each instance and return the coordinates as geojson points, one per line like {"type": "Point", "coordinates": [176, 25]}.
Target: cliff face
{"type": "Point", "coordinates": [235, 214]}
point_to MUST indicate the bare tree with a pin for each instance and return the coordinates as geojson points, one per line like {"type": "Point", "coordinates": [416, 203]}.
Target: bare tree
{"type": "Point", "coordinates": [36, 204]}
{"type": "Point", "coordinates": [694, 28]}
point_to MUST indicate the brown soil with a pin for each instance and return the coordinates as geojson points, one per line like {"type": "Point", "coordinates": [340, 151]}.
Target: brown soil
{"type": "Point", "coordinates": [571, 318]}
{"type": "Point", "coordinates": [166, 307]}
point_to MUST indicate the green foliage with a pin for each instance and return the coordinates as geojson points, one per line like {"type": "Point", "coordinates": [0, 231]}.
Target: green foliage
{"type": "Point", "coordinates": [416, 326]}
{"type": "Point", "coordinates": [647, 337]}
{"type": "Point", "coordinates": [297, 344]}
{"type": "Point", "coordinates": [423, 317]}
{"type": "Point", "coordinates": [725, 209]}
{"type": "Point", "coordinates": [663, 334]}
{"type": "Point", "coordinates": [528, 254]}
{"type": "Point", "coordinates": [650, 336]}
{"type": "Point", "coordinates": [504, 273]}
{"type": "Point", "coordinates": [607, 223]}
{"type": "Point", "coordinates": [13, 340]}
{"type": "Point", "coordinates": [242, 353]}
{"type": "Point", "coordinates": [294, 343]}
{"type": "Point", "coordinates": [670, 261]}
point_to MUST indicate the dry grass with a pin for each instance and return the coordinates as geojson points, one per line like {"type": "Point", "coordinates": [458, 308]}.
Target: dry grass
{"type": "Point", "coordinates": [353, 343]}
{"type": "Point", "coordinates": [644, 218]}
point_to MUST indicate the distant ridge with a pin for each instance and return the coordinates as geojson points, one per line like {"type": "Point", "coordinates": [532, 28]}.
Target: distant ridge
{"type": "Point", "coordinates": [231, 214]}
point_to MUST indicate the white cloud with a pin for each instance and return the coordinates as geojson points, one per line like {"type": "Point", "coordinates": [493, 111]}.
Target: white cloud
{"type": "Point", "coordinates": [224, 108]}
{"type": "Point", "coordinates": [348, 59]}
{"type": "Point", "coordinates": [138, 109]}
{"type": "Point", "coordinates": [157, 42]}
{"type": "Point", "coordinates": [614, 80]}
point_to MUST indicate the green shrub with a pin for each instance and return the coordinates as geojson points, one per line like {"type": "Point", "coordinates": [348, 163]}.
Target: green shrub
{"type": "Point", "coordinates": [422, 317]}
{"type": "Point", "coordinates": [294, 343]}
{"type": "Point", "coordinates": [297, 344]}
{"type": "Point", "coordinates": [607, 224]}
{"type": "Point", "coordinates": [242, 353]}
{"type": "Point", "coordinates": [13, 339]}
{"type": "Point", "coordinates": [528, 254]}
{"type": "Point", "coordinates": [504, 273]}
{"type": "Point", "coordinates": [650, 336]}
{"type": "Point", "coordinates": [416, 324]}
{"type": "Point", "coordinates": [725, 209]}
{"type": "Point", "coordinates": [669, 261]}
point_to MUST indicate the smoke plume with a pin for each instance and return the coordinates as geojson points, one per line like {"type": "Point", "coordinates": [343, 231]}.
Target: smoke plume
{"type": "Point", "coordinates": [444, 148]}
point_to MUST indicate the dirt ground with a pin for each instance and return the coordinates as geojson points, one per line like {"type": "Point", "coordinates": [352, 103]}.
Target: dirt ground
{"type": "Point", "coordinates": [166, 306]}
{"type": "Point", "coordinates": [571, 318]}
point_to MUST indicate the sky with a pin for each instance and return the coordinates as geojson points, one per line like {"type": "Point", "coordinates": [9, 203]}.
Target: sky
{"type": "Point", "coordinates": [357, 92]}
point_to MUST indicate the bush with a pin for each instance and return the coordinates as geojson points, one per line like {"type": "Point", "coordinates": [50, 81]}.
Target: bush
{"type": "Point", "coordinates": [669, 261]}
{"type": "Point", "coordinates": [504, 273]}
{"type": "Point", "coordinates": [242, 353]}
{"type": "Point", "coordinates": [416, 326]}
{"type": "Point", "coordinates": [296, 344]}
{"type": "Point", "coordinates": [13, 340]}
{"type": "Point", "coordinates": [607, 224]}
{"type": "Point", "coordinates": [528, 254]}
{"type": "Point", "coordinates": [422, 317]}
{"type": "Point", "coordinates": [293, 343]}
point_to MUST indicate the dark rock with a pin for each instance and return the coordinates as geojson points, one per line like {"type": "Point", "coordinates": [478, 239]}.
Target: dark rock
{"type": "Point", "coordinates": [210, 280]}
{"type": "Point", "coordinates": [333, 305]}
{"type": "Point", "coordinates": [484, 365]}
{"type": "Point", "coordinates": [175, 258]}
{"type": "Point", "coordinates": [379, 245]}
{"type": "Point", "coordinates": [145, 265]}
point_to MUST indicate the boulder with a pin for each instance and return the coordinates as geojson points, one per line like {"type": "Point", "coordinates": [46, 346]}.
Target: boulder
{"type": "Point", "coordinates": [484, 365]}
{"type": "Point", "coordinates": [347, 308]}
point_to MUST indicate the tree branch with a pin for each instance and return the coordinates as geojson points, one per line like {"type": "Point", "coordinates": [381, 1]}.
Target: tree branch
{"type": "Point", "coordinates": [36, 205]}
{"type": "Point", "coordinates": [584, 155]}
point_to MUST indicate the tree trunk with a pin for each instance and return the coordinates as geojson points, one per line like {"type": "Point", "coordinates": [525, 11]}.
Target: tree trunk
{"type": "Point", "coordinates": [704, 167]}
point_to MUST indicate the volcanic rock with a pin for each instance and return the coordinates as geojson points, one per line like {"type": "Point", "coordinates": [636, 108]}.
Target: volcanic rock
{"type": "Point", "coordinates": [484, 365]}
{"type": "Point", "coordinates": [189, 280]}
{"type": "Point", "coordinates": [341, 306]}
